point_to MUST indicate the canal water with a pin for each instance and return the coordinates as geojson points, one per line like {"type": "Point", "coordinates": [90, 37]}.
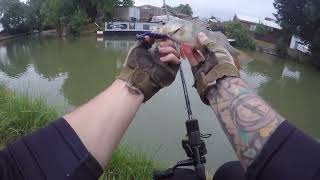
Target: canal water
{"type": "Point", "coordinates": [69, 72]}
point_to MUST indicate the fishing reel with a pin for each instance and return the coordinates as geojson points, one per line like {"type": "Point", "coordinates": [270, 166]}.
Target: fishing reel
{"type": "Point", "coordinates": [195, 149]}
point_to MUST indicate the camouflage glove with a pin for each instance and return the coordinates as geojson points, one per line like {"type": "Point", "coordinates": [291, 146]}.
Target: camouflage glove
{"type": "Point", "coordinates": [145, 73]}
{"type": "Point", "coordinates": [218, 63]}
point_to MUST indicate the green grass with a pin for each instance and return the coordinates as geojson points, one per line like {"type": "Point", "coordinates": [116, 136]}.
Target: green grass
{"type": "Point", "coordinates": [20, 115]}
{"type": "Point", "coordinates": [128, 163]}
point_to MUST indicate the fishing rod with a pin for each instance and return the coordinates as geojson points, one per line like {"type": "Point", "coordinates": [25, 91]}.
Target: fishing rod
{"type": "Point", "coordinates": [193, 145]}
{"type": "Point", "coordinates": [186, 94]}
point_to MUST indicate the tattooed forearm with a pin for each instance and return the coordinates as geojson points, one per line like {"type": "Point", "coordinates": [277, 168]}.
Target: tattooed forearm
{"type": "Point", "coordinates": [247, 120]}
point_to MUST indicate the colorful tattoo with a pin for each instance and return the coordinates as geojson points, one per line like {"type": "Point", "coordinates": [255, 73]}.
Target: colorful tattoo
{"type": "Point", "coordinates": [247, 119]}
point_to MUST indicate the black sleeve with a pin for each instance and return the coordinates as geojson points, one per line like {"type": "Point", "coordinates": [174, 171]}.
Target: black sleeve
{"type": "Point", "coordinates": [288, 155]}
{"type": "Point", "coordinates": [53, 152]}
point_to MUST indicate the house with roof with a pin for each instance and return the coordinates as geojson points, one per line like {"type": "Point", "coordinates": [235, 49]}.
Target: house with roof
{"type": "Point", "coordinates": [251, 23]}
{"type": "Point", "coordinates": [147, 12]}
{"type": "Point", "coordinates": [130, 14]}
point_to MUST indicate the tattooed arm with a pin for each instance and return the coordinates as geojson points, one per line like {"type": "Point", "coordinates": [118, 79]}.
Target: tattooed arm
{"type": "Point", "coordinates": [247, 120]}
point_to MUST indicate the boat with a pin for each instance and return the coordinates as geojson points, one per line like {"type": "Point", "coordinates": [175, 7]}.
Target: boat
{"type": "Point", "coordinates": [128, 28]}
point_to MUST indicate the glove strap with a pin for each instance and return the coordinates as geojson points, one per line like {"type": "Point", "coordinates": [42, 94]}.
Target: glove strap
{"type": "Point", "coordinates": [205, 81]}
{"type": "Point", "coordinates": [139, 82]}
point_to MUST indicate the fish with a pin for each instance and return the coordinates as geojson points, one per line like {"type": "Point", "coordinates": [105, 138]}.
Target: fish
{"type": "Point", "coordinates": [185, 32]}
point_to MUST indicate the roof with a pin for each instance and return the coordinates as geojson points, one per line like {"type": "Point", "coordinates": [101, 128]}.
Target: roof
{"type": "Point", "coordinates": [163, 18]}
{"type": "Point", "coordinates": [177, 13]}
{"type": "Point", "coordinates": [258, 21]}
{"type": "Point", "coordinates": [149, 7]}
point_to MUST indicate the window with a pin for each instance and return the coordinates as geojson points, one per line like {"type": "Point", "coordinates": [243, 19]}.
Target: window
{"type": "Point", "coordinates": [253, 27]}
{"type": "Point", "coordinates": [146, 27]}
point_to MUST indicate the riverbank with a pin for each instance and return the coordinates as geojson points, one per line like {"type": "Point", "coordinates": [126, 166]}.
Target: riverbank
{"type": "Point", "coordinates": [21, 115]}
{"type": "Point", "coordinates": [7, 37]}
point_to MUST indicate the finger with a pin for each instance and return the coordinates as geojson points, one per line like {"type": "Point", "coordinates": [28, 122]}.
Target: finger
{"type": "Point", "coordinates": [168, 50]}
{"type": "Point", "coordinates": [170, 58]}
{"type": "Point", "coordinates": [202, 37]}
{"type": "Point", "coordinates": [148, 39]}
{"type": "Point", "coordinates": [198, 55]}
{"type": "Point", "coordinates": [188, 53]}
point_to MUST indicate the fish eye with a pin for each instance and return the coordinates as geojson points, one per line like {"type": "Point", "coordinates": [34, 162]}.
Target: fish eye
{"type": "Point", "coordinates": [163, 23]}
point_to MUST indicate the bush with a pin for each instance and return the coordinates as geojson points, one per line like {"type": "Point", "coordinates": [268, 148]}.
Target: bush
{"type": "Point", "coordinates": [235, 31]}
{"type": "Point", "coordinates": [261, 30]}
{"type": "Point", "coordinates": [76, 22]}
{"type": "Point", "coordinates": [282, 48]}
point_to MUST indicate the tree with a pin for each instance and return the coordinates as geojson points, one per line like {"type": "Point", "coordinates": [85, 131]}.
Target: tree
{"type": "Point", "coordinates": [185, 9]}
{"type": "Point", "coordinates": [77, 21]}
{"type": "Point", "coordinates": [5, 4]}
{"type": "Point", "coordinates": [64, 15]}
{"type": "Point", "coordinates": [182, 8]}
{"type": "Point", "coordinates": [105, 7]}
{"type": "Point", "coordinates": [236, 31]}
{"type": "Point", "coordinates": [33, 16]}
{"type": "Point", "coordinates": [127, 3]}
{"type": "Point", "coordinates": [58, 13]}
{"type": "Point", "coordinates": [301, 18]}
{"type": "Point", "coordinates": [14, 18]}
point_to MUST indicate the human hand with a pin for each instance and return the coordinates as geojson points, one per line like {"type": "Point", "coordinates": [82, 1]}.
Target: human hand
{"type": "Point", "coordinates": [213, 62]}
{"type": "Point", "coordinates": [149, 68]}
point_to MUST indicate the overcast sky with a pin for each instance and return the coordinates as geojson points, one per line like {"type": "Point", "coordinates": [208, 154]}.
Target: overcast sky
{"type": "Point", "coordinates": [224, 9]}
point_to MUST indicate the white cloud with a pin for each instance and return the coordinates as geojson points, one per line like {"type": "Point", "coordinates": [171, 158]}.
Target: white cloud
{"type": "Point", "coordinates": [224, 9]}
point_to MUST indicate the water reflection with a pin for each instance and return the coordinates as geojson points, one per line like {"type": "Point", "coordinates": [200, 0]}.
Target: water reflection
{"type": "Point", "coordinates": [291, 88]}
{"type": "Point", "coordinates": [73, 71]}
{"type": "Point", "coordinates": [118, 44]}
{"type": "Point", "coordinates": [35, 85]}
{"type": "Point", "coordinates": [89, 65]}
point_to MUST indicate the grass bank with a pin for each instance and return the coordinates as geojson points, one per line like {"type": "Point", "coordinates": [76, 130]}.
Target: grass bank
{"type": "Point", "coordinates": [20, 115]}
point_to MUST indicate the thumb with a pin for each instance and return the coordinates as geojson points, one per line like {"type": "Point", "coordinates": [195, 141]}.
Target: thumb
{"type": "Point", "coordinates": [202, 38]}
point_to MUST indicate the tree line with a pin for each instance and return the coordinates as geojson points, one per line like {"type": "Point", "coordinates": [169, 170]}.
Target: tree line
{"type": "Point", "coordinates": [181, 8]}
{"type": "Point", "coordinates": [67, 16]}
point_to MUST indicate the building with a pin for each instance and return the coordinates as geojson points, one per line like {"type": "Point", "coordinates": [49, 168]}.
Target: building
{"type": "Point", "coordinates": [131, 14]}
{"type": "Point", "coordinates": [148, 11]}
{"type": "Point", "coordinates": [297, 44]}
{"type": "Point", "coordinates": [250, 23]}
{"type": "Point", "coordinates": [157, 19]}
{"type": "Point", "coordinates": [180, 15]}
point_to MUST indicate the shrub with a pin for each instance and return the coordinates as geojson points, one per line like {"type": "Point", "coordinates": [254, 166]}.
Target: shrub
{"type": "Point", "coordinates": [282, 48]}
{"type": "Point", "coordinates": [261, 30]}
{"type": "Point", "coordinates": [235, 31]}
{"type": "Point", "coordinates": [76, 22]}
